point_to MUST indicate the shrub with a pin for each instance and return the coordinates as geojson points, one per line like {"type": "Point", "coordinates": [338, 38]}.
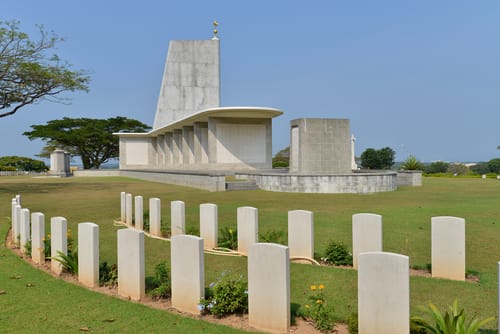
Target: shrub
{"type": "Point", "coordinates": [228, 238]}
{"type": "Point", "coordinates": [378, 159]}
{"type": "Point", "coordinates": [458, 169]}
{"type": "Point", "coordinates": [352, 323]}
{"type": "Point", "coordinates": [69, 262]}
{"type": "Point", "coordinates": [47, 246]}
{"type": "Point", "coordinates": [159, 286]}
{"type": "Point", "coordinates": [494, 165]}
{"type": "Point", "coordinates": [227, 295]}
{"type": "Point", "coordinates": [274, 236]}
{"type": "Point", "coordinates": [451, 322]}
{"type": "Point", "coordinates": [145, 220]}
{"type": "Point", "coordinates": [480, 168]}
{"type": "Point", "coordinates": [337, 253]}
{"type": "Point", "coordinates": [108, 275]}
{"type": "Point", "coordinates": [318, 310]}
{"type": "Point", "coordinates": [437, 167]}
{"type": "Point", "coordinates": [27, 248]}
{"type": "Point", "coordinates": [412, 163]}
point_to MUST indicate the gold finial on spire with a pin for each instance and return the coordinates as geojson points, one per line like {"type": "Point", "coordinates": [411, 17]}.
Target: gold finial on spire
{"type": "Point", "coordinates": [215, 36]}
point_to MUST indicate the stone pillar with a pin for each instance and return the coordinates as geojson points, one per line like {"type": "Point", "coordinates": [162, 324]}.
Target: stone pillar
{"type": "Point", "coordinates": [131, 274]}
{"type": "Point", "coordinates": [139, 215]}
{"type": "Point", "coordinates": [128, 209]}
{"type": "Point", "coordinates": [123, 207]}
{"type": "Point", "coordinates": [58, 241]}
{"type": "Point", "coordinates": [177, 218]}
{"type": "Point", "coordinates": [88, 254]}
{"type": "Point", "coordinates": [59, 163]}
{"type": "Point", "coordinates": [177, 147]}
{"type": "Point", "coordinates": [354, 165]}
{"type": "Point", "coordinates": [366, 235]}
{"type": "Point", "coordinates": [301, 233]}
{"type": "Point", "coordinates": [383, 293]}
{"type": "Point", "coordinates": [248, 227]}
{"type": "Point", "coordinates": [448, 247]}
{"type": "Point", "coordinates": [161, 150]}
{"type": "Point", "coordinates": [187, 269]}
{"type": "Point", "coordinates": [155, 216]}
{"type": "Point", "coordinates": [37, 237]}
{"type": "Point", "coordinates": [269, 287]}
{"type": "Point", "coordinates": [187, 145]}
{"type": "Point", "coordinates": [209, 225]}
{"type": "Point", "coordinates": [168, 149]}
{"type": "Point", "coordinates": [200, 143]}
{"type": "Point", "coordinates": [25, 229]}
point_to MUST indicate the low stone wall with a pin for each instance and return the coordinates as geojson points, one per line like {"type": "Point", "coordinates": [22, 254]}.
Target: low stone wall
{"type": "Point", "coordinates": [357, 183]}
{"type": "Point", "coordinates": [210, 182]}
{"type": "Point", "coordinates": [409, 178]}
{"type": "Point", "coordinates": [96, 172]}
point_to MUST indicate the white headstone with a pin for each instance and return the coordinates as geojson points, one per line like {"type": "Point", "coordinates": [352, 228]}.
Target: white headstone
{"type": "Point", "coordinates": [301, 233]}
{"type": "Point", "coordinates": [131, 270]}
{"type": "Point", "coordinates": [208, 225]}
{"type": "Point", "coordinates": [248, 227]}
{"type": "Point", "coordinates": [25, 229]}
{"type": "Point", "coordinates": [17, 231]}
{"type": "Point", "coordinates": [383, 293]}
{"type": "Point", "coordinates": [88, 254]}
{"type": "Point", "coordinates": [187, 270]}
{"type": "Point", "coordinates": [366, 235]}
{"type": "Point", "coordinates": [177, 218]}
{"type": "Point", "coordinates": [58, 241]}
{"type": "Point", "coordinates": [139, 215]}
{"type": "Point", "coordinates": [269, 287]}
{"type": "Point", "coordinates": [37, 237]}
{"type": "Point", "coordinates": [155, 216]}
{"type": "Point", "coordinates": [448, 247]}
{"type": "Point", "coordinates": [123, 207]}
{"type": "Point", "coordinates": [13, 220]}
{"type": "Point", "coordinates": [18, 199]}
{"type": "Point", "coordinates": [128, 209]}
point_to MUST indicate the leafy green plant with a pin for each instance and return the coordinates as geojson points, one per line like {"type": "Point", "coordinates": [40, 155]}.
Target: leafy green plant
{"type": "Point", "coordinates": [69, 262]}
{"type": "Point", "coordinates": [337, 253]}
{"type": "Point", "coordinates": [145, 220]}
{"type": "Point", "coordinates": [227, 295]}
{"type": "Point", "coordinates": [47, 246]}
{"type": "Point", "coordinates": [108, 275]}
{"type": "Point", "coordinates": [451, 322]}
{"type": "Point", "coordinates": [274, 236]}
{"type": "Point", "coordinates": [228, 238]}
{"type": "Point", "coordinates": [192, 230]}
{"type": "Point", "coordinates": [352, 323]}
{"type": "Point", "coordinates": [159, 286]}
{"type": "Point", "coordinates": [318, 309]}
{"type": "Point", "coordinates": [27, 248]}
{"type": "Point", "coordinates": [412, 163]}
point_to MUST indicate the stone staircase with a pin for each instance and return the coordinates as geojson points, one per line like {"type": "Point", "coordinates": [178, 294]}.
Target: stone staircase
{"type": "Point", "coordinates": [241, 185]}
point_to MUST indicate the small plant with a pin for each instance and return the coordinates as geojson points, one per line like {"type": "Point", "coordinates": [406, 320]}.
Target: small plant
{"type": "Point", "coordinates": [159, 286]}
{"type": "Point", "coordinates": [47, 246]}
{"type": "Point", "coordinates": [352, 323]}
{"type": "Point", "coordinates": [318, 311]}
{"type": "Point", "coordinates": [412, 163]}
{"type": "Point", "coordinates": [192, 230]}
{"type": "Point", "coordinates": [227, 295]}
{"type": "Point", "coordinates": [69, 262]}
{"type": "Point", "coordinates": [27, 248]}
{"type": "Point", "coordinates": [337, 253]}
{"type": "Point", "coordinates": [145, 220]}
{"type": "Point", "coordinates": [451, 322]}
{"type": "Point", "coordinates": [108, 275]}
{"type": "Point", "coordinates": [274, 236]}
{"type": "Point", "coordinates": [228, 238]}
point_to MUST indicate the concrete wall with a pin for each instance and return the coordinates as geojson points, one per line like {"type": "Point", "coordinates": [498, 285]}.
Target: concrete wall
{"type": "Point", "coordinates": [320, 145]}
{"type": "Point", "coordinates": [134, 152]}
{"type": "Point", "coordinates": [191, 80]}
{"type": "Point", "coordinates": [332, 184]}
{"type": "Point", "coordinates": [409, 178]}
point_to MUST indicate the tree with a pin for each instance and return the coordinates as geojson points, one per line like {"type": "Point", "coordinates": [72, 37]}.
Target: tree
{"type": "Point", "coordinates": [437, 167]}
{"type": "Point", "coordinates": [282, 158]}
{"type": "Point", "coordinates": [494, 165]}
{"type": "Point", "coordinates": [14, 162]}
{"type": "Point", "coordinates": [91, 139]}
{"type": "Point", "coordinates": [378, 159]}
{"type": "Point", "coordinates": [28, 73]}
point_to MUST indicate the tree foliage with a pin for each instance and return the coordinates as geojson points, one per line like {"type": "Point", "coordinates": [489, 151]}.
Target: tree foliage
{"type": "Point", "coordinates": [14, 162]}
{"type": "Point", "coordinates": [282, 158]}
{"type": "Point", "coordinates": [378, 159]}
{"type": "Point", "coordinates": [494, 165]}
{"type": "Point", "coordinates": [91, 139]}
{"type": "Point", "coordinates": [437, 167]}
{"type": "Point", "coordinates": [28, 73]}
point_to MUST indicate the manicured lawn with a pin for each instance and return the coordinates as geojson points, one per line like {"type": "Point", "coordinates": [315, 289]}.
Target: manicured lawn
{"type": "Point", "coordinates": [406, 227]}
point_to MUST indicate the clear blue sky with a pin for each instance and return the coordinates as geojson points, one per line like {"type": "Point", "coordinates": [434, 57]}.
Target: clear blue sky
{"type": "Point", "coordinates": [422, 77]}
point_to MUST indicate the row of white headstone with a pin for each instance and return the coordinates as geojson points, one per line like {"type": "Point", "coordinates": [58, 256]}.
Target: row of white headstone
{"type": "Point", "coordinates": [448, 233]}
{"type": "Point", "coordinates": [25, 230]}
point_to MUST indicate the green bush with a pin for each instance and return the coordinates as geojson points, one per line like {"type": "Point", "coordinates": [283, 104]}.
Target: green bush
{"type": "Point", "coordinates": [352, 323]}
{"type": "Point", "coordinates": [378, 159]}
{"type": "Point", "coordinates": [451, 322]}
{"type": "Point", "coordinates": [437, 167]}
{"type": "Point", "coordinates": [458, 169]}
{"type": "Point", "coordinates": [159, 286]}
{"type": "Point", "coordinates": [274, 236]}
{"type": "Point", "coordinates": [412, 163]}
{"type": "Point", "coordinates": [228, 238]}
{"type": "Point", "coordinates": [318, 310]}
{"type": "Point", "coordinates": [480, 168]}
{"type": "Point", "coordinates": [108, 275]}
{"type": "Point", "coordinates": [337, 253]}
{"type": "Point", "coordinates": [494, 165]}
{"type": "Point", "coordinates": [69, 262]}
{"type": "Point", "coordinates": [227, 295]}
{"type": "Point", "coordinates": [22, 163]}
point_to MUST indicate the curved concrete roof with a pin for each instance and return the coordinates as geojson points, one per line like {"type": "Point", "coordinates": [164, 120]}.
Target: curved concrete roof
{"type": "Point", "coordinates": [203, 115]}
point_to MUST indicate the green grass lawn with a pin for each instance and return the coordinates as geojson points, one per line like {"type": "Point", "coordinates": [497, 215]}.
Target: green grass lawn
{"type": "Point", "coordinates": [406, 226]}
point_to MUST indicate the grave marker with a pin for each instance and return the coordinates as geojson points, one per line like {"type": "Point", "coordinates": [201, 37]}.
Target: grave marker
{"type": "Point", "coordinates": [88, 254]}
{"type": "Point", "coordinates": [366, 235]}
{"type": "Point", "coordinates": [448, 247]}
{"type": "Point", "coordinates": [139, 215]}
{"type": "Point", "coordinates": [177, 218]}
{"type": "Point", "coordinates": [301, 233]}
{"type": "Point", "coordinates": [38, 237]}
{"type": "Point", "coordinates": [248, 228]}
{"type": "Point", "coordinates": [131, 272]}
{"type": "Point", "coordinates": [155, 216]}
{"type": "Point", "coordinates": [208, 225]}
{"type": "Point", "coordinates": [58, 242]}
